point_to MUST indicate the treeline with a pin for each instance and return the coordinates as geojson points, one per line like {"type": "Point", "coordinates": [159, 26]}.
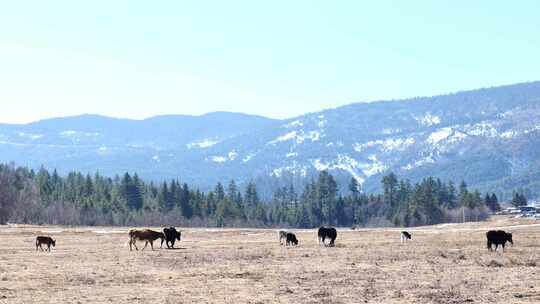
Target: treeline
{"type": "Point", "coordinates": [46, 197]}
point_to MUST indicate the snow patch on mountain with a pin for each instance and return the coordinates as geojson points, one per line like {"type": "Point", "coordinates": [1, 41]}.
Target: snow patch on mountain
{"type": "Point", "coordinates": [439, 135]}
{"type": "Point", "coordinates": [219, 159]}
{"type": "Point", "coordinates": [30, 135]}
{"type": "Point", "coordinates": [386, 145]}
{"type": "Point", "coordinates": [535, 128]}
{"type": "Point", "coordinates": [291, 154]}
{"type": "Point", "coordinates": [73, 133]}
{"type": "Point", "coordinates": [508, 134]}
{"type": "Point", "coordinates": [428, 120]}
{"type": "Point", "coordinates": [425, 160]}
{"type": "Point", "coordinates": [294, 124]}
{"type": "Point", "coordinates": [204, 143]}
{"type": "Point", "coordinates": [248, 157]}
{"type": "Point", "coordinates": [295, 169]}
{"type": "Point", "coordinates": [390, 131]}
{"type": "Point", "coordinates": [481, 129]}
{"type": "Point", "coordinates": [298, 136]}
{"type": "Point", "coordinates": [232, 155]}
{"type": "Point", "coordinates": [103, 150]}
{"type": "Point", "coordinates": [375, 167]}
{"type": "Point", "coordinates": [352, 166]}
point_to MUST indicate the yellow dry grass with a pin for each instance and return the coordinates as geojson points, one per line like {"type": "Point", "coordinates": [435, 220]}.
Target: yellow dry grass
{"type": "Point", "coordinates": [442, 264]}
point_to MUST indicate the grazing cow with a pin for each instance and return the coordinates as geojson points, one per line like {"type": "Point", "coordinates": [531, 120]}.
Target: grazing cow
{"type": "Point", "coordinates": [291, 239]}
{"type": "Point", "coordinates": [327, 232]}
{"type": "Point", "coordinates": [147, 235]}
{"type": "Point", "coordinates": [282, 235]}
{"type": "Point", "coordinates": [171, 235]}
{"type": "Point", "coordinates": [44, 240]}
{"type": "Point", "coordinates": [405, 236]}
{"type": "Point", "coordinates": [498, 237]}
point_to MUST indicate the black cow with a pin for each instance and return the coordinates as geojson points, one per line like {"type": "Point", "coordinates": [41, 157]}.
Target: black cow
{"type": "Point", "coordinates": [171, 235]}
{"type": "Point", "coordinates": [327, 232]}
{"type": "Point", "coordinates": [405, 236]}
{"type": "Point", "coordinates": [291, 239]}
{"type": "Point", "coordinates": [498, 237]}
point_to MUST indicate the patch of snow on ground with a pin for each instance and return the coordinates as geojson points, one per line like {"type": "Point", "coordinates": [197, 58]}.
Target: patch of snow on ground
{"type": "Point", "coordinates": [232, 155]}
{"type": "Point", "coordinates": [322, 123]}
{"type": "Point", "coordinates": [205, 143]}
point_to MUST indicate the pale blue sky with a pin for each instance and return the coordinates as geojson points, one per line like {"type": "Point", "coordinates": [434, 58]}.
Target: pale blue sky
{"type": "Point", "coordinates": [274, 58]}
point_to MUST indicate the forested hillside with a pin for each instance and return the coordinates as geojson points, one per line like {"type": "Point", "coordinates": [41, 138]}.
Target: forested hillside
{"type": "Point", "coordinates": [76, 199]}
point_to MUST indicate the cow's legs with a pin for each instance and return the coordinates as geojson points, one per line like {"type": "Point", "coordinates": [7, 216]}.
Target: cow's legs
{"type": "Point", "coordinates": [145, 244]}
{"type": "Point", "coordinates": [152, 244]}
{"type": "Point", "coordinates": [133, 241]}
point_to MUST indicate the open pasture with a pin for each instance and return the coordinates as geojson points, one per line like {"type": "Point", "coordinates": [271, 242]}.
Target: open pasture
{"type": "Point", "coordinates": [442, 264]}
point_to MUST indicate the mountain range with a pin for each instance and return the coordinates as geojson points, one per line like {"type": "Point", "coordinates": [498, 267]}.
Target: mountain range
{"type": "Point", "coordinates": [487, 137]}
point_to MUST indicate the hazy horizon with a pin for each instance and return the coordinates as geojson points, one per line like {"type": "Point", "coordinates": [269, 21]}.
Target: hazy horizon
{"type": "Point", "coordinates": [256, 114]}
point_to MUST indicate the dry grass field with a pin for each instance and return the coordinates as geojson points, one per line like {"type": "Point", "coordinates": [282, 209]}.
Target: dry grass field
{"type": "Point", "coordinates": [442, 264]}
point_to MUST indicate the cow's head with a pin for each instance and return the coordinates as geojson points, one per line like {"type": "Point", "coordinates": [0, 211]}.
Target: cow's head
{"type": "Point", "coordinates": [509, 238]}
{"type": "Point", "coordinates": [179, 235]}
{"type": "Point", "coordinates": [53, 243]}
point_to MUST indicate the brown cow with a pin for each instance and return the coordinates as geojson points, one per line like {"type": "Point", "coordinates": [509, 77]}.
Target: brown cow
{"type": "Point", "coordinates": [147, 235]}
{"type": "Point", "coordinates": [44, 240]}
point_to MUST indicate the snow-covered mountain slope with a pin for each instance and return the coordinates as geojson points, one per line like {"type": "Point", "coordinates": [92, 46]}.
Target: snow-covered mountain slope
{"type": "Point", "coordinates": [489, 137]}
